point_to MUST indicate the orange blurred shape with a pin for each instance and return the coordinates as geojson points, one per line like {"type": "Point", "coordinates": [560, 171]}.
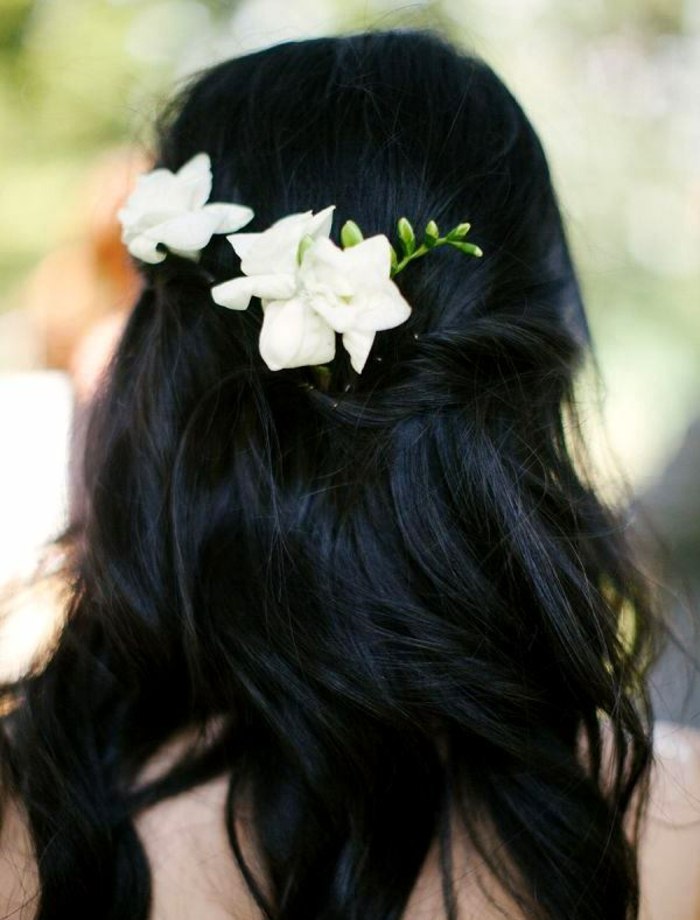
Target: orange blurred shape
{"type": "Point", "coordinates": [90, 279]}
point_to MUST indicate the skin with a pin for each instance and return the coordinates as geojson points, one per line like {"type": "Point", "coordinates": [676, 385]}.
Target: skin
{"type": "Point", "coordinates": [195, 876]}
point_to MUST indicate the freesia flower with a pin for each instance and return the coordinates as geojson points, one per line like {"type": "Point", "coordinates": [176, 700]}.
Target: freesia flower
{"type": "Point", "coordinates": [170, 209]}
{"type": "Point", "coordinates": [269, 259]}
{"type": "Point", "coordinates": [351, 289]}
{"type": "Point", "coordinates": [307, 300]}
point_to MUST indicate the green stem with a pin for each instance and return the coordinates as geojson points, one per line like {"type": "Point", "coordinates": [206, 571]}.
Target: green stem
{"type": "Point", "coordinates": [421, 251]}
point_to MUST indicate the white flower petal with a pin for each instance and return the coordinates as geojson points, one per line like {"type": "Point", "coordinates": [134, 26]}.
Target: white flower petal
{"type": "Point", "coordinates": [234, 294]}
{"type": "Point", "coordinates": [151, 187]}
{"type": "Point", "coordinates": [306, 223]}
{"type": "Point", "coordinates": [146, 250]}
{"type": "Point", "coordinates": [347, 272]}
{"type": "Point", "coordinates": [237, 292]}
{"type": "Point", "coordinates": [230, 216]}
{"type": "Point", "coordinates": [241, 243]}
{"type": "Point", "coordinates": [326, 269]}
{"type": "Point", "coordinates": [135, 221]}
{"type": "Point", "coordinates": [351, 288]}
{"type": "Point", "coordinates": [339, 314]}
{"type": "Point", "coordinates": [275, 287]}
{"type": "Point", "coordinates": [190, 232]}
{"type": "Point", "coordinates": [198, 165]}
{"type": "Point", "coordinates": [273, 250]}
{"type": "Point", "coordinates": [194, 254]}
{"type": "Point", "coordinates": [127, 219]}
{"type": "Point", "coordinates": [381, 308]}
{"type": "Point", "coordinates": [358, 345]}
{"type": "Point", "coordinates": [193, 181]}
{"type": "Point", "coordinates": [160, 191]}
{"type": "Point", "coordinates": [320, 224]}
{"type": "Point", "coordinates": [297, 221]}
{"type": "Point", "coordinates": [369, 261]}
{"type": "Point", "coordinates": [292, 335]}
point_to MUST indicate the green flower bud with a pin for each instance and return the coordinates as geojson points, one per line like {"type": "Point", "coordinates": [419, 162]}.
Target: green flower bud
{"type": "Point", "coordinates": [469, 248]}
{"type": "Point", "coordinates": [350, 234]}
{"type": "Point", "coordinates": [394, 259]}
{"type": "Point", "coordinates": [323, 377]}
{"type": "Point", "coordinates": [407, 236]}
{"type": "Point", "coordinates": [304, 244]}
{"type": "Point", "coordinates": [459, 232]}
{"type": "Point", "coordinates": [432, 234]}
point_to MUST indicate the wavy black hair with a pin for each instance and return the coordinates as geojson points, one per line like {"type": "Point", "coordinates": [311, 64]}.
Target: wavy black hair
{"type": "Point", "coordinates": [397, 594]}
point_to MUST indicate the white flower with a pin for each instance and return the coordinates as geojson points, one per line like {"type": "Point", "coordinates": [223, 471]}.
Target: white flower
{"type": "Point", "coordinates": [170, 209]}
{"type": "Point", "coordinates": [352, 290]}
{"type": "Point", "coordinates": [269, 259]}
{"type": "Point", "coordinates": [348, 291]}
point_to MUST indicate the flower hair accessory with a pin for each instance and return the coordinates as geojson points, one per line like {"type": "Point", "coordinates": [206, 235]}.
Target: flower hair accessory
{"type": "Point", "coordinates": [311, 289]}
{"type": "Point", "coordinates": [169, 210]}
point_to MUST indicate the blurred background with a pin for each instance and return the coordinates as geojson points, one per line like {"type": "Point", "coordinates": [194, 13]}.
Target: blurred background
{"type": "Point", "coordinates": [613, 88]}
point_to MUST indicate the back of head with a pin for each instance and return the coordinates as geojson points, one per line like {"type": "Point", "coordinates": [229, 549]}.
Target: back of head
{"type": "Point", "coordinates": [392, 591]}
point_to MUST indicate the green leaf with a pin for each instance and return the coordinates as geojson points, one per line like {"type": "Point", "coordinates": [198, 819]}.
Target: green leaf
{"type": "Point", "coordinates": [350, 234]}
{"type": "Point", "coordinates": [407, 236]}
{"type": "Point", "coordinates": [304, 244]}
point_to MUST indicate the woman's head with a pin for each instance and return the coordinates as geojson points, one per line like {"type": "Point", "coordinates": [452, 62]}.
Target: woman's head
{"type": "Point", "coordinates": [383, 125]}
{"type": "Point", "coordinates": [394, 590]}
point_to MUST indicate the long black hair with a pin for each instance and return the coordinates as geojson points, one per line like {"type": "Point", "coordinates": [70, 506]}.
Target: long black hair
{"type": "Point", "coordinates": [397, 594]}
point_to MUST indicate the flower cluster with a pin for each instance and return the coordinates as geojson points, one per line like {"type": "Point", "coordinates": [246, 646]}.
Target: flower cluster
{"type": "Point", "coordinates": [310, 288]}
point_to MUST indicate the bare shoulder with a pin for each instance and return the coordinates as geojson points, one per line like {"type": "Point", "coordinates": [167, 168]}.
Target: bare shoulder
{"type": "Point", "coordinates": [19, 883]}
{"type": "Point", "coordinates": [193, 870]}
{"type": "Point", "coordinates": [670, 846]}
{"type": "Point", "coordinates": [192, 864]}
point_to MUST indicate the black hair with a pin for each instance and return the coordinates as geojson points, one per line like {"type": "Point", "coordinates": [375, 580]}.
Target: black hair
{"type": "Point", "coordinates": [397, 594]}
